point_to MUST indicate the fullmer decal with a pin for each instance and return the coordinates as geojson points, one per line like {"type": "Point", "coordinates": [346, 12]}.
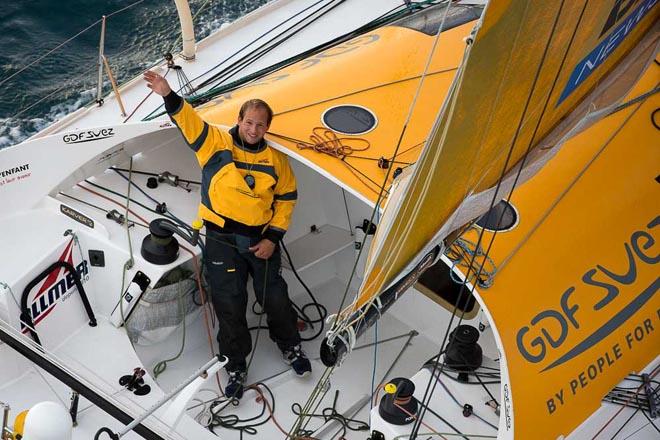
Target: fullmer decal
{"type": "Point", "coordinates": [610, 42]}
{"type": "Point", "coordinates": [88, 136]}
{"type": "Point", "coordinates": [58, 286]}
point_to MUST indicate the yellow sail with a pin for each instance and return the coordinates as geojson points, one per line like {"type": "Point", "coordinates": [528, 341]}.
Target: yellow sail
{"type": "Point", "coordinates": [531, 65]}
{"type": "Point", "coordinates": [574, 296]}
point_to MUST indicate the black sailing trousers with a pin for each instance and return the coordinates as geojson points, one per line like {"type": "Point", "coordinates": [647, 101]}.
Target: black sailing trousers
{"type": "Point", "coordinates": [228, 264]}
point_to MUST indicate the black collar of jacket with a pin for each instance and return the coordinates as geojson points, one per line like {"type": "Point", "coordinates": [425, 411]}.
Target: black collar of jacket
{"type": "Point", "coordinates": [253, 148]}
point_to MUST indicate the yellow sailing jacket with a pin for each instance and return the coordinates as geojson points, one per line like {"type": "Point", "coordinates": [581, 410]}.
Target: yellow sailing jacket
{"type": "Point", "coordinates": [227, 201]}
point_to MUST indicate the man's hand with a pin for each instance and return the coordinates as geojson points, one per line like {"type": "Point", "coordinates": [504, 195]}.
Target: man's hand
{"type": "Point", "coordinates": [157, 83]}
{"type": "Point", "coordinates": [264, 249]}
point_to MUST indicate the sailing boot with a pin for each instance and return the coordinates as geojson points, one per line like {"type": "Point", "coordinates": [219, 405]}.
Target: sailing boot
{"type": "Point", "coordinates": [234, 388]}
{"type": "Point", "coordinates": [296, 357]}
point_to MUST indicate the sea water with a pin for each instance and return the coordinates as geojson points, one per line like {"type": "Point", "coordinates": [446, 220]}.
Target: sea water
{"type": "Point", "coordinates": [65, 80]}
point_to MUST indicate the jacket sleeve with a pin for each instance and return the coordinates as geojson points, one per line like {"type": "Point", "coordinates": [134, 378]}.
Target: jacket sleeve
{"type": "Point", "coordinates": [283, 202]}
{"type": "Point", "coordinates": [202, 138]}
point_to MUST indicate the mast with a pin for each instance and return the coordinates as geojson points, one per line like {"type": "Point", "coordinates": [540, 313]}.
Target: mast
{"type": "Point", "coordinates": [187, 30]}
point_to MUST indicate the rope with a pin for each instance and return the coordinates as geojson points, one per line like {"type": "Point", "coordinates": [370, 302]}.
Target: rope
{"type": "Point", "coordinates": [160, 366]}
{"type": "Point", "coordinates": [129, 263]}
{"type": "Point", "coordinates": [458, 253]}
{"type": "Point", "coordinates": [398, 145]}
{"type": "Point", "coordinates": [258, 52]}
{"type": "Point", "coordinates": [326, 141]}
{"type": "Point", "coordinates": [330, 414]}
{"type": "Point", "coordinates": [151, 92]}
{"type": "Point", "coordinates": [145, 224]}
{"type": "Point", "coordinates": [651, 375]}
{"type": "Point", "coordinates": [346, 313]}
{"type": "Point", "coordinates": [332, 151]}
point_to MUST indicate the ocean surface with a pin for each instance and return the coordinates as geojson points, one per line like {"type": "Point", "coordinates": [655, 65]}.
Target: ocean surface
{"type": "Point", "coordinates": [138, 33]}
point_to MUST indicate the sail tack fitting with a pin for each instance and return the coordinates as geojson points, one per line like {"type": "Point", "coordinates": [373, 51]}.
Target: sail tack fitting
{"type": "Point", "coordinates": [340, 340]}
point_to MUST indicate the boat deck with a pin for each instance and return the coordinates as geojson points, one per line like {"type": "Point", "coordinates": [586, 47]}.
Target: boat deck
{"type": "Point", "coordinates": [401, 352]}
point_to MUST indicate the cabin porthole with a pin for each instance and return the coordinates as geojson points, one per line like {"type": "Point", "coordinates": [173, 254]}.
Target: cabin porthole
{"type": "Point", "coordinates": [501, 217]}
{"type": "Point", "coordinates": [349, 119]}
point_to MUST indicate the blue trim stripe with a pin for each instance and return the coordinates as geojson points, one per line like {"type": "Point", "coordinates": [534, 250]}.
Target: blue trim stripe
{"type": "Point", "coordinates": [267, 169]}
{"type": "Point", "coordinates": [200, 139]}
{"type": "Point", "coordinates": [293, 195]}
{"type": "Point", "coordinates": [214, 164]}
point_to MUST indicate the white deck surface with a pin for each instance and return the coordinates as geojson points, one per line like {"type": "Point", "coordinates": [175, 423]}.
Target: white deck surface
{"type": "Point", "coordinates": [353, 379]}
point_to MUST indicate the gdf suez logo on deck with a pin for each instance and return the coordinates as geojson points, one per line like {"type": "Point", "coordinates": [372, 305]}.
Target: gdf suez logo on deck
{"type": "Point", "coordinates": [58, 286]}
{"type": "Point", "coordinates": [88, 136]}
{"type": "Point", "coordinates": [590, 298]}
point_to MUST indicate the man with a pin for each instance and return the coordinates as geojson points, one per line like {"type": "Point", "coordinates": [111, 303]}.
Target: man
{"type": "Point", "coordinates": [248, 195]}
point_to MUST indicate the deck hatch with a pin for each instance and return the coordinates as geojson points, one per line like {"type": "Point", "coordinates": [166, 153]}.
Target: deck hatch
{"type": "Point", "coordinates": [500, 217]}
{"type": "Point", "coordinates": [349, 119]}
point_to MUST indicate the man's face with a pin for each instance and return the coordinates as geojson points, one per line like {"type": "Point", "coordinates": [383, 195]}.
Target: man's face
{"type": "Point", "coordinates": [253, 126]}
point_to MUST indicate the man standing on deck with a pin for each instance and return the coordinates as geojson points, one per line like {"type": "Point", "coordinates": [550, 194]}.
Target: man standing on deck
{"type": "Point", "coordinates": [248, 195]}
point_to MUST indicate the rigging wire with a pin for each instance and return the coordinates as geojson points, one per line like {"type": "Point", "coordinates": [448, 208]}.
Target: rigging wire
{"type": "Point", "coordinates": [258, 52]}
{"type": "Point", "coordinates": [431, 387]}
{"type": "Point", "coordinates": [242, 63]}
{"type": "Point", "coordinates": [155, 211]}
{"type": "Point", "coordinates": [328, 371]}
{"type": "Point", "coordinates": [653, 373]}
{"type": "Point", "coordinates": [375, 363]}
{"type": "Point", "coordinates": [56, 48]}
{"type": "Point", "coordinates": [167, 213]}
{"type": "Point", "coordinates": [246, 61]}
{"type": "Point", "coordinates": [386, 18]}
{"type": "Point", "coordinates": [147, 173]}
{"type": "Point", "coordinates": [568, 188]}
{"type": "Point", "coordinates": [51, 51]}
{"type": "Point", "coordinates": [368, 89]}
{"type": "Point", "coordinates": [396, 152]}
{"type": "Point", "coordinates": [412, 106]}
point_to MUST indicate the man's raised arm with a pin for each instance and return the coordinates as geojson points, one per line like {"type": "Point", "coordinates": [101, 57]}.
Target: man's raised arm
{"type": "Point", "coordinates": [199, 136]}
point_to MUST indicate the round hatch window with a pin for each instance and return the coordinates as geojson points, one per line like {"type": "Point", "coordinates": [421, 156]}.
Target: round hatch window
{"type": "Point", "coordinates": [501, 217]}
{"type": "Point", "coordinates": [349, 119]}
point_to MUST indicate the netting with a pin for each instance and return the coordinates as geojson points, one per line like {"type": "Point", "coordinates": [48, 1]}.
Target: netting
{"type": "Point", "coordinates": [161, 309]}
